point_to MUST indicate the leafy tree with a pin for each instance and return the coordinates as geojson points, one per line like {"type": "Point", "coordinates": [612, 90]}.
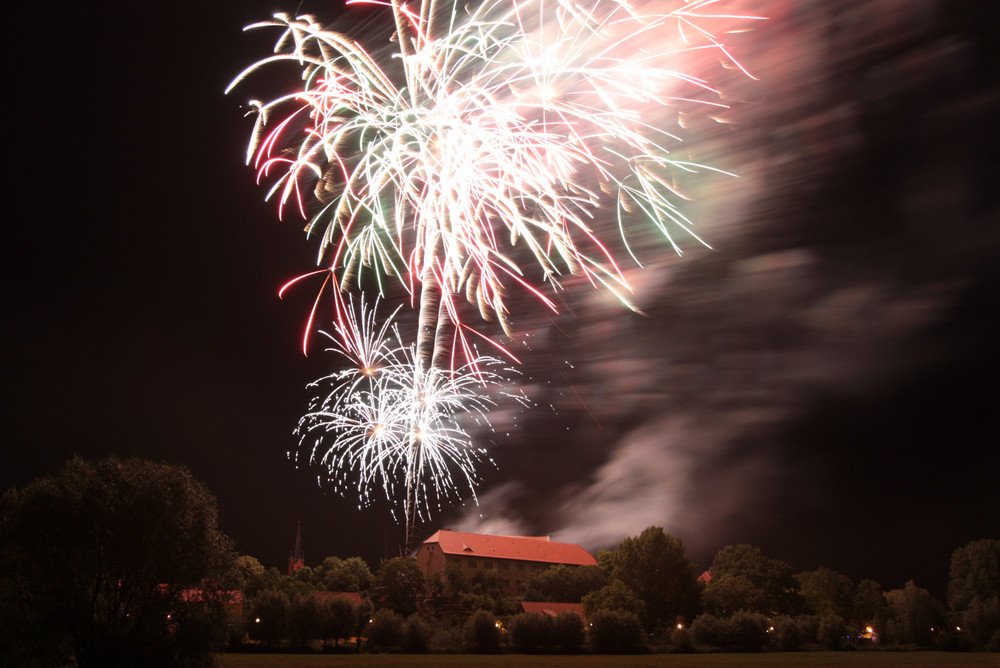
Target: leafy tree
{"type": "Point", "coordinates": [728, 593]}
{"type": "Point", "coordinates": [338, 619]}
{"type": "Point", "coordinates": [568, 631]}
{"type": "Point", "coordinates": [615, 631]}
{"type": "Point", "coordinates": [564, 584]}
{"type": "Point", "coordinates": [385, 632]}
{"type": "Point", "coordinates": [448, 586]}
{"type": "Point", "coordinates": [400, 583]}
{"type": "Point", "coordinates": [832, 630]}
{"type": "Point", "coordinates": [827, 592]}
{"type": "Point", "coordinates": [771, 576]}
{"type": "Point", "coordinates": [869, 603]}
{"type": "Point", "coordinates": [351, 574]}
{"type": "Point", "coordinates": [531, 632]}
{"type": "Point", "coordinates": [270, 616]}
{"type": "Point", "coordinates": [655, 567]}
{"type": "Point", "coordinates": [416, 634]}
{"type": "Point", "coordinates": [786, 635]}
{"type": "Point", "coordinates": [913, 614]}
{"type": "Point", "coordinates": [749, 631]}
{"type": "Point", "coordinates": [95, 560]}
{"type": "Point", "coordinates": [974, 588]}
{"type": "Point", "coordinates": [481, 633]}
{"type": "Point", "coordinates": [305, 619]}
{"type": "Point", "coordinates": [743, 631]}
{"type": "Point", "coordinates": [613, 596]}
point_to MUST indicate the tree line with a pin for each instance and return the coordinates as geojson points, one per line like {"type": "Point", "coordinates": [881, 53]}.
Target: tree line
{"type": "Point", "coordinates": [121, 562]}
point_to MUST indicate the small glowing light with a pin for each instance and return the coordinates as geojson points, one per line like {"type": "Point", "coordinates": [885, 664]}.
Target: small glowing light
{"type": "Point", "coordinates": [679, 626]}
{"type": "Point", "coordinates": [257, 620]}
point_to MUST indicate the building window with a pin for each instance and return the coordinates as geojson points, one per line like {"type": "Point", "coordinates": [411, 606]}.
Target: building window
{"type": "Point", "coordinates": [472, 563]}
{"type": "Point", "coordinates": [520, 566]}
{"type": "Point", "coordinates": [504, 566]}
{"type": "Point", "coordinates": [488, 565]}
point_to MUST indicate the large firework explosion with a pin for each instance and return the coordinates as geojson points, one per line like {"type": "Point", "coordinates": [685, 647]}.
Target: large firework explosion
{"type": "Point", "coordinates": [480, 156]}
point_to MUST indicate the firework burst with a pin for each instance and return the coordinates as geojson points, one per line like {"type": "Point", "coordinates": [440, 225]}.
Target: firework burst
{"type": "Point", "coordinates": [483, 157]}
{"type": "Point", "coordinates": [388, 423]}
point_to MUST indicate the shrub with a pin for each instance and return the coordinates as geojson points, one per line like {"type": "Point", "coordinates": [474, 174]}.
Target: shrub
{"type": "Point", "coordinates": [481, 633]}
{"type": "Point", "coordinates": [531, 632]}
{"type": "Point", "coordinates": [808, 627]}
{"type": "Point", "coordinates": [681, 641]}
{"type": "Point", "coordinates": [709, 630]}
{"type": "Point", "coordinates": [448, 640]}
{"type": "Point", "coordinates": [748, 631]}
{"type": "Point", "coordinates": [831, 631]}
{"type": "Point", "coordinates": [416, 634]}
{"type": "Point", "coordinates": [385, 632]}
{"type": "Point", "coordinates": [616, 631]}
{"type": "Point", "coordinates": [786, 635]}
{"type": "Point", "coordinates": [269, 616]}
{"type": "Point", "coordinates": [567, 629]}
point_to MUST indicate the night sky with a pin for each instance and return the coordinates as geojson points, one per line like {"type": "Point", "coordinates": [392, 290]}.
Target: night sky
{"type": "Point", "coordinates": [821, 383]}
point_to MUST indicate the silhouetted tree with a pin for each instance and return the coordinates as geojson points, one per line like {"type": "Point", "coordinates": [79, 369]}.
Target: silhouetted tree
{"type": "Point", "coordinates": [400, 583]}
{"type": "Point", "coordinates": [531, 632]}
{"type": "Point", "coordinates": [568, 631]}
{"type": "Point", "coordinates": [974, 588]}
{"type": "Point", "coordinates": [338, 619]}
{"type": "Point", "coordinates": [481, 633]}
{"type": "Point", "coordinates": [615, 631]}
{"type": "Point", "coordinates": [613, 596]}
{"type": "Point", "coordinates": [351, 574]}
{"type": "Point", "coordinates": [728, 593]}
{"type": "Point", "coordinates": [869, 603]}
{"type": "Point", "coordinates": [95, 560]}
{"type": "Point", "coordinates": [416, 634]}
{"type": "Point", "coordinates": [386, 630]}
{"type": "Point", "coordinates": [827, 592]}
{"type": "Point", "coordinates": [269, 617]}
{"type": "Point", "coordinates": [655, 567]}
{"type": "Point", "coordinates": [566, 584]}
{"type": "Point", "coordinates": [913, 615]}
{"type": "Point", "coordinates": [772, 576]}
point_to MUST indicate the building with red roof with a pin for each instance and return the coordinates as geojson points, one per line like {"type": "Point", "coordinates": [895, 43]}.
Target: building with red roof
{"type": "Point", "coordinates": [515, 558]}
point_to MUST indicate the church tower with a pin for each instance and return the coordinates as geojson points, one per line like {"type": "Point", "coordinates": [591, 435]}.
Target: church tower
{"type": "Point", "coordinates": [296, 559]}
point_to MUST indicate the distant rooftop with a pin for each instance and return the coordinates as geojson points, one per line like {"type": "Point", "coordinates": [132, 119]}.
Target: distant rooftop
{"type": "Point", "coordinates": [523, 548]}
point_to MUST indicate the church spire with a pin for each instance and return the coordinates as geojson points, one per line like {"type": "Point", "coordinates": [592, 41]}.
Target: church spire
{"type": "Point", "coordinates": [296, 560]}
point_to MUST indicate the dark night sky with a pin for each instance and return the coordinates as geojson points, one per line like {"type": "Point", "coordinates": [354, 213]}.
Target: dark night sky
{"type": "Point", "coordinates": [821, 384]}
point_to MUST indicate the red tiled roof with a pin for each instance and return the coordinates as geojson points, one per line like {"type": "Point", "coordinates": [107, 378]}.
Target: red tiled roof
{"type": "Point", "coordinates": [523, 548]}
{"type": "Point", "coordinates": [552, 609]}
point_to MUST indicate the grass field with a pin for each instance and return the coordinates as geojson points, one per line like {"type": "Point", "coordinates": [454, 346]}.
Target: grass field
{"type": "Point", "coordinates": [806, 659]}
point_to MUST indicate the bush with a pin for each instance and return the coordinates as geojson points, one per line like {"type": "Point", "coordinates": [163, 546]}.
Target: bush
{"type": "Point", "coordinates": [448, 640]}
{"type": "Point", "coordinates": [416, 634]}
{"type": "Point", "coordinates": [481, 633]}
{"type": "Point", "coordinates": [710, 630]}
{"type": "Point", "coordinates": [808, 627]}
{"type": "Point", "coordinates": [832, 630]}
{"type": "Point", "coordinates": [743, 632]}
{"type": "Point", "coordinates": [681, 641]}
{"type": "Point", "coordinates": [749, 631]}
{"type": "Point", "coordinates": [531, 632]}
{"type": "Point", "coordinates": [385, 632]}
{"type": "Point", "coordinates": [616, 631]}
{"type": "Point", "coordinates": [269, 616]}
{"type": "Point", "coordinates": [567, 629]}
{"type": "Point", "coordinates": [786, 635]}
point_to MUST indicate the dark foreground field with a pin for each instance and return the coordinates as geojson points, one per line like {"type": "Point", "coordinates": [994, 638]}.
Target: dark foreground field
{"type": "Point", "coordinates": [807, 659]}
